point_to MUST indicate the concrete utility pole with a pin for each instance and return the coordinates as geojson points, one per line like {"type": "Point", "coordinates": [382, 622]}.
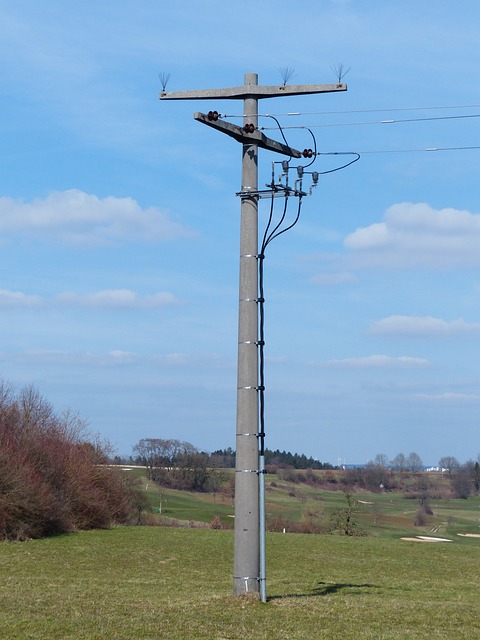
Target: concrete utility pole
{"type": "Point", "coordinates": [248, 576]}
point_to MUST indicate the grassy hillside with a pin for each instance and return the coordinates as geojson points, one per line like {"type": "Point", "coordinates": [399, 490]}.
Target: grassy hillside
{"type": "Point", "coordinates": [156, 582]}
{"type": "Point", "coordinates": [387, 514]}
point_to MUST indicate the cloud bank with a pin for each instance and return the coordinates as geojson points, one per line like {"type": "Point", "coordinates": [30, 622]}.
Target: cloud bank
{"type": "Point", "coordinates": [107, 299]}
{"type": "Point", "coordinates": [424, 326]}
{"type": "Point", "coordinates": [377, 361]}
{"type": "Point", "coordinates": [76, 218]}
{"type": "Point", "coordinates": [417, 235]}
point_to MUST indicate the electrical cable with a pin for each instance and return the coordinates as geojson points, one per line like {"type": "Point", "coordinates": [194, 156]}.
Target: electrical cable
{"type": "Point", "coordinates": [261, 329]}
{"type": "Point", "coordinates": [372, 122]}
{"type": "Point", "coordinates": [427, 149]}
{"type": "Point", "coordinates": [268, 236]}
{"type": "Point", "coordinates": [339, 153]}
{"type": "Point", "coordinates": [345, 111]}
{"type": "Point", "coordinates": [280, 128]}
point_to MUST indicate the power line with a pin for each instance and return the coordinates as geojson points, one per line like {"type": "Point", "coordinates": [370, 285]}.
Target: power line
{"type": "Point", "coordinates": [427, 149]}
{"type": "Point", "coordinates": [384, 110]}
{"type": "Point", "coordinates": [370, 122]}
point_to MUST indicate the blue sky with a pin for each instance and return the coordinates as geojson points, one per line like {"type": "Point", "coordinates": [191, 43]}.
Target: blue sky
{"type": "Point", "coordinates": [119, 222]}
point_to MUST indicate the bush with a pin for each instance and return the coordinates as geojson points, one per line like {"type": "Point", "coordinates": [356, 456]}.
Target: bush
{"type": "Point", "coordinates": [216, 523]}
{"type": "Point", "coordinates": [52, 478]}
{"type": "Point", "coordinates": [283, 525]}
{"type": "Point", "coordinates": [420, 518]}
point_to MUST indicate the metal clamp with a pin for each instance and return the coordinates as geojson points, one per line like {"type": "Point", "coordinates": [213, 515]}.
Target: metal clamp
{"type": "Point", "coordinates": [246, 579]}
{"type": "Point", "coordinates": [259, 388]}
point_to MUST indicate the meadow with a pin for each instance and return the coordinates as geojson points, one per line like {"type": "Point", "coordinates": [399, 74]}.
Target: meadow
{"type": "Point", "coordinates": [157, 582]}
{"type": "Point", "coordinates": [176, 582]}
{"type": "Point", "coordinates": [382, 514]}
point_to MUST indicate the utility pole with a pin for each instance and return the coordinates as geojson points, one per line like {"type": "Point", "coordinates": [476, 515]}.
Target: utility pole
{"type": "Point", "coordinates": [249, 577]}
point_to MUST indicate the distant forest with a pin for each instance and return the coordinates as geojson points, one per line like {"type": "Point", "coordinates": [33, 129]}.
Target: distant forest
{"type": "Point", "coordinates": [155, 452]}
{"type": "Point", "coordinates": [280, 459]}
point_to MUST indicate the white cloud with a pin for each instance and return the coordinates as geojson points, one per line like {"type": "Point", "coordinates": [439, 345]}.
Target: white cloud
{"type": "Point", "coordinates": [18, 299]}
{"type": "Point", "coordinates": [413, 235]}
{"type": "Point", "coordinates": [448, 396]}
{"type": "Point", "coordinates": [119, 298]}
{"type": "Point", "coordinates": [200, 360]}
{"type": "Point", "coordinates": [120, 357]}
{"type": "Point", "coordinates": [423, 326]}
{"type": "Point", "coordinates": [58, 357]}
{"type": "Point", "coordinates": [75, 217]}
{"type": "Point", "coordinates": [377, 361]}
{"type": "Point", "coordinates": [116, 356]}
{"type": "Point", "coordinates": [334, 278]}
{"type": "Point", "coordinates": [109, 298]}
{"type": "Point", "coordinates": [48, 356]}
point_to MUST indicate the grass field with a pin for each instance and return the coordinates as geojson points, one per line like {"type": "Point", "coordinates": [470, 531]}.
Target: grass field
{"type": "Point", "coordinates": [176, 583]}
{"type": "Point", "coordinates": [387, 514]}
{"type": "Point", "coordinates": [156, 582]}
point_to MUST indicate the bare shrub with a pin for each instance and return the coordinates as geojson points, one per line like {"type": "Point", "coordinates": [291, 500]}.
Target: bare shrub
{"type": "Point", "coordinates": [312, 518]}
{"type": "Point", "coordinates": [216, 523]}
{"type": "Point", "coordinates": [52, 478]}
{"type": "Point", "coordinates": [282, 525]}
{"type": "Point", "coordinates": [420, 519]}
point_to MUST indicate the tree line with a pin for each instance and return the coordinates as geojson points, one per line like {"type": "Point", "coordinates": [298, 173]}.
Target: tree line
{"type": "Point", "coordinates": [177, 464]}
{"type": "Point", "coordinates": [180, 465]}
{"type": "Point", "coordinates": [464, 478]}
{"type": "Point", "coordinates": [159, 452]}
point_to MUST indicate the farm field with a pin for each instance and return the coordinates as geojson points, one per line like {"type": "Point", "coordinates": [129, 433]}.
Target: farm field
{"type": "Point", "coordinates": [164, 582]}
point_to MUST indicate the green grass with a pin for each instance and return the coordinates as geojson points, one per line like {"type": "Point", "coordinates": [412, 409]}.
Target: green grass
{"type": "Point", "coordinates": [379, 514]}
{"type": "Point", "coordinates": [188, 506]}
{"type": "Point", "coordinates": [155, 582]}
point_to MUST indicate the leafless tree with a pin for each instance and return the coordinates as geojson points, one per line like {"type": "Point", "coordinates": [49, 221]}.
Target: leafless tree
{"type": "Point", "coordinates": [414, 462]}
{"type": "Point", "coordinates": [450, 463]}
{"type": "Point", "coordinates": [399, 463]}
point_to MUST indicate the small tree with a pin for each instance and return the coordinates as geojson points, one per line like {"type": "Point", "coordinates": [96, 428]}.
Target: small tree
{"type": "Point", "coordinates": [344, 520]}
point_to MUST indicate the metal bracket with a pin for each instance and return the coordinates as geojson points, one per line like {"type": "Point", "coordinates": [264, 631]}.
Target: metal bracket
{"type": "Point", "coordinates": [255, 137]}
{"type": "Point", "coordinates": [277, 192]}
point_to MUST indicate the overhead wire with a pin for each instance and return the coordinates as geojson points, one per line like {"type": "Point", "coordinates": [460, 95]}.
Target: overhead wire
{"type": "Point", "coordinates": [426, 149]}
{"type": "Point", "coordinates": [268, 236]}
{"type": "Point", "coordinates": [379, 151]}
{"type": "Point", "coordinates": [279, 127]}
{"type": "Point", "coordinates": [372, 122]}
{"type": "Point", "coordinates": [274, 231]}
{"type": "Point", "coordinates": [345, 111]}
{"type": "Point", "coordinates": [339, 153]}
